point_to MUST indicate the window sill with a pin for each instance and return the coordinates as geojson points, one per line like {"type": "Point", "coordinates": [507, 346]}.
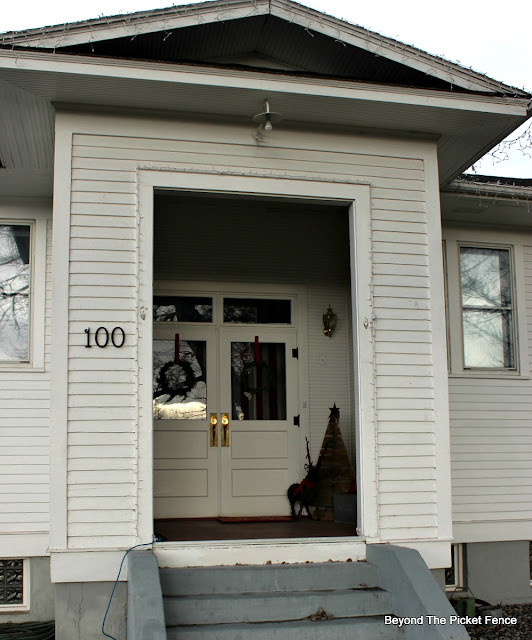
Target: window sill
{"type": "Point", "coordinates": [15, 608]}
{"type": "Point", "coordinates": [21, 369]}
{"type": "Point", "coordinates": [495, 375]}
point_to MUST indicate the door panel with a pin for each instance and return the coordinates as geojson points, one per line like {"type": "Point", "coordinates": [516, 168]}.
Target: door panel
{"type": "Point", "coordinates": [221, 365]}
{"type": "Point", "coordinates": [258, 385]}
{"type": "Point", "coordinates": [185, 393]}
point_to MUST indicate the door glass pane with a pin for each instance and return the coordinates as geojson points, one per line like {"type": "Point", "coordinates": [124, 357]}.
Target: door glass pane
{"type": "Point", "coordinates": [182, 309]}
{"type": "Point", "coordinates": [257, 311]}
{"type": "Point", "coordinates": [258, 381]}
{"type": "Point", "coordinates": [179, 384]}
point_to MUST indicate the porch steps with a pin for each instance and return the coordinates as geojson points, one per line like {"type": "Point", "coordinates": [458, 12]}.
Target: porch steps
{"type": "Point", "coordinates": [277, 601]}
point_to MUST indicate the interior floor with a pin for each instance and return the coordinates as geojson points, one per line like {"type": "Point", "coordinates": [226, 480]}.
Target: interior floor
{"type": "Point", "coordinates": [213, 529]}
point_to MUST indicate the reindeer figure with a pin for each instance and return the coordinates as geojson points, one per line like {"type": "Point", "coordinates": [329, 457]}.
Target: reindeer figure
{"type": "Point", "coordinates": [306, 491]}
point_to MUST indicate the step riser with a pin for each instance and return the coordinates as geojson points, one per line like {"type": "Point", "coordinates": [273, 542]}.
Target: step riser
{"type": "Point", "coordinates": [274, 607]}
{"type": "Point", "coordinates": [331, 630]}
{"type": "Point", "coordinates": [271, 578]}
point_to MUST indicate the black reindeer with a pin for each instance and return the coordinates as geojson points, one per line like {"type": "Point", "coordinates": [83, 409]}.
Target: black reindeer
{"type": "Point", "coordinates": [306, 491]}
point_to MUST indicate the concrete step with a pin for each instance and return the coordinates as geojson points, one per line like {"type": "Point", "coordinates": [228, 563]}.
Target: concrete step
{"type": "Point", "coordinates": [274, 606]}
{"type": "Point", "coordinates": [338, 629]}
{"type": "Point", "coordinates": [264, 578]}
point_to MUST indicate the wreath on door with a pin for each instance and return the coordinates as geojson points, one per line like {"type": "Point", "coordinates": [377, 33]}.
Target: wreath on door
{"type": "Point", "coordinates": [176, 378]}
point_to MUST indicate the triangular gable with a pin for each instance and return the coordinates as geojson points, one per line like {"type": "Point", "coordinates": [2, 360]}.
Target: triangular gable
{"type": "Point", "coordinates": [274, 34]}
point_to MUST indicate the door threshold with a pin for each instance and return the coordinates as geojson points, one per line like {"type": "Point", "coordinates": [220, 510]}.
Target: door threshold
{"type": "Point", "coordinates": [209, 553]}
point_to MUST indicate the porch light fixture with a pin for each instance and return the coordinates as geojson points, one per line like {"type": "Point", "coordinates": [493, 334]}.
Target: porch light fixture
{"type": "Point", "coordinates": [266, 118]}
{"type": "Point", "coordinates": [329, 322]}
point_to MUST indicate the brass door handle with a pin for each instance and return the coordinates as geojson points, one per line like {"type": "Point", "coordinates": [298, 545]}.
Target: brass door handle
{"type": "Point", "coordinates": [213, 428]}
{"type": "Point", "coordinates": [225, 429]}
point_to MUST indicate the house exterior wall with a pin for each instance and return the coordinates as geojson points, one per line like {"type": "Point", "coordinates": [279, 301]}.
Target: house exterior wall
{"type": "Point", "coordinates": [491, 441]}
{"type": "Point", "coordinates": [25, 401]}
{"type": "Point", "coordinates": [98, 216]}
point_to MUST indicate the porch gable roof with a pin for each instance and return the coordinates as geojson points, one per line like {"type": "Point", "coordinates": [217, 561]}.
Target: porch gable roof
{"type": "Point", "coordinates": [273, 34]}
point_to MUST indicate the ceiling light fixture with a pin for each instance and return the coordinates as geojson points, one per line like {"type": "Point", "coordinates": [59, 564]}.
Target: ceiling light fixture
{"type": "Point", "coordinates": [266, 118]}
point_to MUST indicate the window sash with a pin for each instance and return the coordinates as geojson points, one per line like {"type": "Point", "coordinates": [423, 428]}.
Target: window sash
{"type": "Point", "coordinates": [487, 316]}
{"type": "Point", "coordinates": [16, 240]}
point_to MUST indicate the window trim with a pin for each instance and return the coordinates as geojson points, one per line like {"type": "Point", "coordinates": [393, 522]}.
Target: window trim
{"type": "Point", "coordinates": [454, 238]}
{"type": "Point", "coordinates": [457, 558]}
{"type": "Point", "coordinates": [25, 606]}
{"type": "Point", "coordinates": [37, 221]}
{"type": "Point", "coordinates": [515, 347]}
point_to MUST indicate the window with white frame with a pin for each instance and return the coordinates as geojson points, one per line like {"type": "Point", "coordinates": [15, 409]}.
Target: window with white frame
{"type": "Point", "coordinates": [23, 242]}
{"type": "Point", "coordinates": [488, 327]}
{"type": "Point", "coordinates": [13, 585]}
{"type": "Point", "coordinates": [15, 292]}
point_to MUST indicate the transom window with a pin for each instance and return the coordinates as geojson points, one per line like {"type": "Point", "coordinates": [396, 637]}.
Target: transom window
{"type": "Point", "coordinates": [14, 292]}
{"type": "Point", "coordinates": [487, 308]}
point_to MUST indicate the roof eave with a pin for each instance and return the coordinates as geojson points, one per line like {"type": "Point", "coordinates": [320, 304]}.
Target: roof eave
{"type": "Point", "coordinates": [310, 19]}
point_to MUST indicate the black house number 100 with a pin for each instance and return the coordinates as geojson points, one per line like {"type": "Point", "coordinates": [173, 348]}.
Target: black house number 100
{"type": "Point", "coordinates": [102, 337]}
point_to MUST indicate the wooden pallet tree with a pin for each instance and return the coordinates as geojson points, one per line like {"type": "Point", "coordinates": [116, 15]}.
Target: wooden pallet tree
{"type": "Point", "coordinates": [336, 471]}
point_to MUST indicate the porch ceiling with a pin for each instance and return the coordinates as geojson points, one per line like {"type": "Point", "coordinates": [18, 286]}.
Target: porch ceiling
{"type": "Point", "coordinates": [465, 126]}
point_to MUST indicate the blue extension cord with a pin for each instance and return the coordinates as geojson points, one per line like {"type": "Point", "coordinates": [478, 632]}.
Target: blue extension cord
{"type": "Point", "coordinates": [145, 544]}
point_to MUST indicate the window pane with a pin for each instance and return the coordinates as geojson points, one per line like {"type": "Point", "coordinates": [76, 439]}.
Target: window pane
{"type": "Point", "coordinates": [11, 586]}
{"type": "Point", "coordinates": [182, 309]}
{"type": "Point", "coordinates": [487, 338]}
{"type": "Point", "coordinates": [257, 311]}
{"type": "Point", "coordinates": [14, 292]}
{"type": "Point", "coordinates": [258, 386]}
{"type": "Point", "coordinates": [179, 387]}
{"type": "Point", "coordinates": [486, 307]}
{"type": "Point", "coordinates": [485, 277]}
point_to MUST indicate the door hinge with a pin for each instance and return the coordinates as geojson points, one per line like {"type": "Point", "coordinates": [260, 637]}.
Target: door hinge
{"type": "Point", "coordinates": [295, 353]}
{"type": "Point", "coordinates": [296, 421]}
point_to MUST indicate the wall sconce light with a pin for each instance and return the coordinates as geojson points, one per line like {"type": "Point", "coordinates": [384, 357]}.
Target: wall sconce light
{"type": "Point", "coordinates": [329, 322]}
{"type": "Point", "coordinates": [266, 118]}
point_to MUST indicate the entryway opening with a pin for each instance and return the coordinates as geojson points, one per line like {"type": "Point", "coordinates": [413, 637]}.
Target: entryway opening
{"type": "Point", "coordinates": [243, 374]}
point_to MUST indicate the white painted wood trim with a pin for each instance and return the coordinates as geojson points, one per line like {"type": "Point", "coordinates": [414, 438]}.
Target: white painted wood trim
{"type": "Point", "coordinates": [164, 72]}
{"type": "Point", "coordinates": [87, 566]}
{"type": "Point", "coordinates": [253, 552]}
{"type": "Point", "coordinates": [364, 364]}
{"type": "Point", "coordinates": [492, 531]}
{"type": "Point", "coordinates": [24, 545]}
{"type": "Point", "coordinates": [144, 478]}
{"type": "Point", "coordinates": [436, 553]}
{"type": "Point", "coordinates": [59, 355]}
{"type": "Point", "coordinates": [442, 440]}
{"type": "Point", "coordinates": [208, 181]}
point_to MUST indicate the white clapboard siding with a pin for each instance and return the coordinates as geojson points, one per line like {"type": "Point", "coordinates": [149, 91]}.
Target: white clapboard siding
{"type": "Point", "coordinates": [104, 244]}
{"type": "Point", "coordinates": [491, 438]}
{"type": "Point", "coordinates": [25, 436]}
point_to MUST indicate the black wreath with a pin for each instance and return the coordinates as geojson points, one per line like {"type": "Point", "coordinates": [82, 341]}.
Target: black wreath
{"type": "Point", "coordinates": [174, 388]}
{"type": "Point", "coordinates": [268, 378]}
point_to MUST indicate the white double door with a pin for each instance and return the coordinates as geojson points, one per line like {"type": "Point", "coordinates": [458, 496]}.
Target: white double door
{"type": "Point", "coordinates": [231, 446]}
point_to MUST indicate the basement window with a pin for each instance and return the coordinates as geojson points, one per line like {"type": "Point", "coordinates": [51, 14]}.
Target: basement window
{"type": "Point", "coordinates": [454, 575]}
{"type": "Point", "coordinates": [13, 585]}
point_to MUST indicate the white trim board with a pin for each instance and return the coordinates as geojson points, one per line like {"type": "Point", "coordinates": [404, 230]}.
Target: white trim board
{"type": "Point", "coordinates": [253, 552]}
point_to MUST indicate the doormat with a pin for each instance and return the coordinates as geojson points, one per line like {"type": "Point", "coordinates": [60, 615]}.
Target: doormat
{"type": "Point", "coordinates": [242, 519]}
